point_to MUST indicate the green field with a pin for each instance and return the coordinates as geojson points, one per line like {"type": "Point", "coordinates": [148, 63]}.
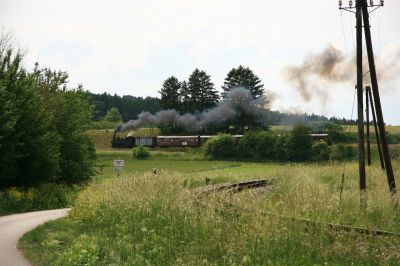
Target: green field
{"type": "Point", "coordinates": [348, 128]}
{"type": "Point", "coordinates": [143, 218]}
{"type": "Point", "coordinates": [389, 129]}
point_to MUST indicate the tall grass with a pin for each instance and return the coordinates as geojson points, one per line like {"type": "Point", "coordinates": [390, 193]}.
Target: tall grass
{"type": "Point", "coordinates": [147, 219]}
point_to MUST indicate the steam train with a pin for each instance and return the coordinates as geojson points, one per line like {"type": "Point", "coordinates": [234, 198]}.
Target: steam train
{"type": "Point", "coordinates": [182, 141]}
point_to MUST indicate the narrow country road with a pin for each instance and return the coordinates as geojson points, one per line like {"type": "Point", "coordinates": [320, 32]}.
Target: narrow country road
{"type": "Point", "coordinates": [13, 227]}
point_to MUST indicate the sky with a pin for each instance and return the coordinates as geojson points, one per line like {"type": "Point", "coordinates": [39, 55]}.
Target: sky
{"type": "Point", "coordinates": [131, 47]}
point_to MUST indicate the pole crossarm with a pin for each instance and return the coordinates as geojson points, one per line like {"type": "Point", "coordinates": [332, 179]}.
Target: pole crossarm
{"type": "Point", "coordinates": [353, 5]}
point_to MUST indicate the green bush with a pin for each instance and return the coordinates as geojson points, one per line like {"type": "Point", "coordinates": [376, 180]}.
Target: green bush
{"type": "Point", "coordinates": [321, 151]}
{"type": "Point", "coordinates": [43, 197]}
{"type": "Point", "coordinates": [258, 145]}
{"type": "Point", "coordinates": [220, 147]}
{"type": "Point", "coordinates": [299, 144]}
{"type": "Point", "coordinates": [280, 149]}
{"type": "Point", "coordinates": [337, 133]}
{"type": "Point", "coordinates": [113, 115]}
{"type": "Point", "coordinates": [140, 152]}
{"type": "Point", "coordinates": [342, 152]}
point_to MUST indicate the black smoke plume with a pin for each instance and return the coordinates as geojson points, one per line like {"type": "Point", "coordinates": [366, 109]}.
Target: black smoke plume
{"type": "Point", "coordinates": [318, 72]}
{"type": "Point", "coordinates": [238, 100]}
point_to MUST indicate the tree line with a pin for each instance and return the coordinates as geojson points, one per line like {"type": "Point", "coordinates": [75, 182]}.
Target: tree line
{"type": "Point", "coordinates": [128, 106]}
{"type": "Point", "coordinates": [42, 125]}
{"type": "Point", "coordinates": [195, 94]}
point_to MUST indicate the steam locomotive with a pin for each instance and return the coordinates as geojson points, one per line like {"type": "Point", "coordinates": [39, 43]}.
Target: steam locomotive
{"type": "Point", "coordinates": [182, 141]}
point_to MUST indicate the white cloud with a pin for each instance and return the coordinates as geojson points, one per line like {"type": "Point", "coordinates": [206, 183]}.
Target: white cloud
{"type": "Point", "coordinates": [132, 46]}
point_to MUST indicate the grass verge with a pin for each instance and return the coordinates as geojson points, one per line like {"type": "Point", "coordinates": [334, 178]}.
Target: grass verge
{"type": "Point", "coordinates": [146, 219]}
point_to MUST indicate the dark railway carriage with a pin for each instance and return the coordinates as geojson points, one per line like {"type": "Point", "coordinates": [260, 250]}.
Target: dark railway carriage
{"type": "Point", "coordinates": [183, 141]}
{"type": "Point", "coordinates": [178, 141]}
{"type": "Point", "coordinates": [146, 141]}
{"type": "Point", "coordinates": [324, 137]}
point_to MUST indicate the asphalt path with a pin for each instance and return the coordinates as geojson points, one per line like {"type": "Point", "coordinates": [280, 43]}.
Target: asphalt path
{"type": "Point", "coordinates": [13, 227]}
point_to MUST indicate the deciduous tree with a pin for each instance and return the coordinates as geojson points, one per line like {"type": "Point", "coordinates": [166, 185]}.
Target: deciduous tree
{"type": "Point", "coordinates": [113, 115]}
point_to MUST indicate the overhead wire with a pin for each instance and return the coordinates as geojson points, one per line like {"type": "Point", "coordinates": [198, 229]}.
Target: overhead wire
{"type": "Point", "coordinates": [379, 42]}
{"type": "Point", "coordinates": [352, 32]}
{"type": "Point", "coordinates": [344, 33]}
{"type": "Point", "coordinates": [354, 99]}
{"type": "Point", "coordinates": [345, 163]}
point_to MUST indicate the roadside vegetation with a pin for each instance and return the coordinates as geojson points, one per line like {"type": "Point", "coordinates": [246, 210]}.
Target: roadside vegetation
{"type": "Point", "coordinates": [45, 196]}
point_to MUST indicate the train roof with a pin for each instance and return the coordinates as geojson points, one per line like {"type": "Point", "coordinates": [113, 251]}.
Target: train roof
{"type": "Point", "coordinates": [175, 137]}
{"type": "Point", "coordinates": [204, 136]}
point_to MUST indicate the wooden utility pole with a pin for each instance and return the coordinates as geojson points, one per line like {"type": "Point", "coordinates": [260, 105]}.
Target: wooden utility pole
{"type": "Point", "coordinates": [367, 125]}
{"type": "Point", "coordinates": [362, 14]}
{"type": "Point", "coordinates": [361, 148]}
{"type": "Point", "coordinates": [377, 100]}
{"type": "Point", "coordinates": [377, 136]}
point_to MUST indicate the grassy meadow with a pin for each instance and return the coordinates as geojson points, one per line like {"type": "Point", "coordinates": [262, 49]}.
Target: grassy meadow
{"type": "Point", "coordinates": [143, 218]}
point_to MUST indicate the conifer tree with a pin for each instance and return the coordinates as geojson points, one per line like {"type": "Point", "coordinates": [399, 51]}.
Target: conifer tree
{"type": "Point", "coordinates": [243, 76]}
{"type": "Point", "coordinates": [202, 93]}
{"type": "Point", "coordinates": [170, 94]}
{"type": "Point", "coordinates": [184, 98]}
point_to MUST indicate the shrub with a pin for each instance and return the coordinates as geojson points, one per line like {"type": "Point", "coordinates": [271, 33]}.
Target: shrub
{"type": "Point", "coordinates": [299, 144]}
{"type": "Point", "coordinates": [141, 152]}
{"type": "Point", "coordinates": [321, 151]}
{"type": "Point", "coordinates": [43, 197]}
{"type": "Point", "coordinates": [280, 150]}
{"type": "Point", "coordinates": [113, 115]}
{"type": "Point", "coordinates": [258, 145]}
{"type": "Point", "coordinates": [342, 152]}
{"type": "Point", "coordinates": [220, 147]}
{"type": "Point", "coordinates": [337, 133]}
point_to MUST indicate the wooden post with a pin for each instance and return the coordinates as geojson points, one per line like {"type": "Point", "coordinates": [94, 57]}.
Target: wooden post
{"type": "Point", "coordinates": [361, 148]}
{"type": "Point", "coordinates": [367, 124]}
{"type": "Point", "coordinates": [378, 139]}
{"type": "Point", "coordinates": [377, 101]}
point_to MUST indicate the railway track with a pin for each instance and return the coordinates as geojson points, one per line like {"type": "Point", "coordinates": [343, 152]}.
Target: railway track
{"type": "Point", "coordinates": [236, 187]}
{"type": "Point", "coordinates": [339, 227]}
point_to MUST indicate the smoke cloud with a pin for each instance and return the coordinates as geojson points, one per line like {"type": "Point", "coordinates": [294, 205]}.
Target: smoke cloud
{"type": "Point", "coordinates": [238, 100]}
{"type": "Point", "coordinates": [319, 71]}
